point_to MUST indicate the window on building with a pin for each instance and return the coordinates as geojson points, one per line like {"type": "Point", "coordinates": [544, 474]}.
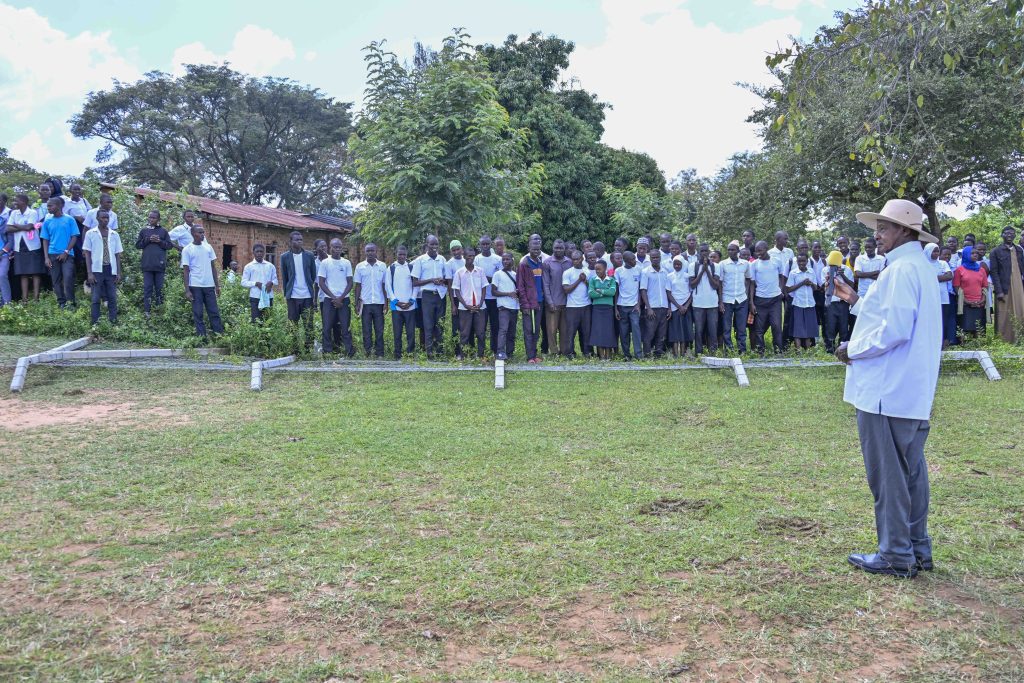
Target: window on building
{"type": "Point", "coordinates": [229, 255]}
{"type": "Point", "coordinates": [271, 253]}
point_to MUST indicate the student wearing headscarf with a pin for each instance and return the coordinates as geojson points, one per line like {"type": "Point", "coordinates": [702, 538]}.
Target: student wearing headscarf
{"type": "Point", "coordinates": [971, 281]}
{"type": "Point", "coordinates": [944, 276]}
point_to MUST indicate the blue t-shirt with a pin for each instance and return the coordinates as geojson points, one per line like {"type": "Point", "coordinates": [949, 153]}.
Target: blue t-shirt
{"type": "Point", "coordinates": [59, 230]}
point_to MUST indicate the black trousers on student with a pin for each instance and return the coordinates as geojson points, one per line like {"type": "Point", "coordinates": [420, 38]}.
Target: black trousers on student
{"type": "Point", "coordinates": [705, 326]}
{"type": "Point", "coordinates": [152, 288]}
{"type": "Point", "coordinates": [257, 313]}
{"type": "Point", "coordinates": [404, 321]}
{"type": "Point", "coordinates": [819, 310]}
{"type": "Point", "coordinates": [533, 323]}
{"type": "Point", "coordinates": [654, 333]}
{"type": "Point", "coordinates": [105, 288]}
{"type": "Point", "coordinates": [769, 314]}
{"type": "Point", "coordinates": [456, 328]}
{"type": "Point", "coordinates": [735, 318]}
{"type": "Point", "coordinates": [577, 321]}
{"type": "Point", "coordinates": [473, 324]}
{"type": "Point", "coordinates": [492, 322]}
{"type": "Point", "coordinates": [433, 314]}
{"type": "Point", "coordinates": [629, 328]}
{"type": "Point", "coordinates": [542, 326]}
{"type": "Point", "coordinates": [62, 275]}
{"type": "Point", "coordinates": [336, 333]}
{"type": "Point", "coordinates": [302, 309]}
{"type": "Point", "coordinates": [837, 324]}
{"type": "Point", "coordinates": [787, 320]}
{"type": "Point", "coordinates": [205, 298]}
{"type": "Point", "coordinates": [507, 331]}
{"type": "Point", "coordinates": [373, 317]}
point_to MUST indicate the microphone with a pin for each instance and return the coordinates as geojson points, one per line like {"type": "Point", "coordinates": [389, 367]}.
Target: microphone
{"type": "Point", "coordinates": [834, 260]}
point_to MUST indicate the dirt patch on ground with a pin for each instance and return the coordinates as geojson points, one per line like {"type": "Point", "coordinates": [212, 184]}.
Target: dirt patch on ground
{"type": "Point", "coordinates": [668, 506]}
{"type": "Point", "coordinates": [790, 527]}
{"type": "Point", "coordinates": [98, 408]}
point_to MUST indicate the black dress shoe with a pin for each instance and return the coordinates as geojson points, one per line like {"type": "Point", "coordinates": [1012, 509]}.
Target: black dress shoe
{"type": "Point", "coordinates": [925, 564]}
{"type": "Point", "coordinates": [875, 564]}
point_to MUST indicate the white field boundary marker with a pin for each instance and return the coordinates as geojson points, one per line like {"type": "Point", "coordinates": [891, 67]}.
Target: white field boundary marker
{"type": "Point", "coordinates": [982, 357]}
{"type": "Point", "coordinates": [256, 379]}
{"type": "Point", "coordinates": [70, 352]}
{"type": "Point", "coordinates": [735, 363]}
{"type": "Point", "coordinates": [499, 374]}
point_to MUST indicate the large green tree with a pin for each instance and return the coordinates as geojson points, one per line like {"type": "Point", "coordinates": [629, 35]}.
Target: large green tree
{"type": "Point", "coordinates": [218, 133]}
{"type": "Point", "coordinates": [435, 150]}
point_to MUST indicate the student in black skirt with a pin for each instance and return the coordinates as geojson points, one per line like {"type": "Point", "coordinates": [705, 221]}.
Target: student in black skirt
{"type": "Point", "coordinates": [601, 289]}
{"type": "Point", "coordinates": [680, 321]}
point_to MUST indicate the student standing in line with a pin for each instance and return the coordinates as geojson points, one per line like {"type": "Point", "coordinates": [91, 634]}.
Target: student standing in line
{"type": "Point", "coordinates": [801, 285]}
{"type": "Point", "coordinates": [370, 298]}
{"type": "Point", "coordinates": [690, 256]}
{"type": "Point", "coordinates": [665, 242]}
{"type": "Point", "coordinates": [321, 251]}
{"type": "Point", "coordinates": [77, 206]}
{"type": "Point", "coordinates": [102, 250]}
{"type": "Point", "coordinates": [837, 314]}
{"type": "Point", "coordinates": [616, 262]}
{"type": "Point", "coordinates": [816, 263]}
{"type": "Point", "coordinates": [201, 284]}
{"type": "Point", "coordinates": [675, 249]}
{"type": "Point", "coordinates": [536, 263]}
{"type": "Point", "coordinates": [506, 294]}
{"type": "Point", "coordinates": [490, 263]}
{"type": "Point", "coordinates": [749, 242]}
{"type": "Point", "coordinates": [298, 269]}
{"type": "Point", "coordinates": [334, 276]}
{"type": "Point", "coordinates": [706, 286]}
{"type": "Point", "coordinates": [530, 288]}
{"type": "Point", "coordinates": [470, 286]}
{"type": "Point", "coordinates": [944, 276]}
{"type": "Point", "coordinates": [642, 258]}
{"type": "Point", "coordinates": [27, 247]}
{"type": "Point", "coordinates": [154, 242]}
{"type": "Point", "coordinates": [627, 306]}
{"type": "Point", "coordinates": [601, 289]}
{"type": "Point", "coordinates": [260, 276]}
{"type": "Point", "coordinates": [577, 305]}
{"type": "Point", "coordinates": [107, 204]}
{"type": "Point", "coordinates": [554, 296]}
{"type": "Point", "coordinates": [452, 266]}
{"type": "Point", "coordinates": [401, 301]}
{"type": "Point", "coordinates": [654, 286]}
{"type": "Point", "coordinates": [499, 246]}
{"type": "Point", "coordinates": [1008, 284]}
{"type": "Point", "coordinates": [59, 235]}
{"type": "Point", "coordinates": [602, 255]}
{"type": "Point", "coordinates": [736, 307]}
{"type": "Point", "coordinates": [6, 249]}
{"type": "Point", "coordinates": [784, 255]}
{"type": "Point", "coordinates": [766, 274]}
{"type": "Point", "coordinates": [680, 299]}
{"type": "Point", "coordinates": [181, 235]}
{"type": "Point", "coordinates": [428, 272]}
{"type": "Point", "coordinates": [971, 281]}
{"type": "Point", "coordinates": [946, 256]}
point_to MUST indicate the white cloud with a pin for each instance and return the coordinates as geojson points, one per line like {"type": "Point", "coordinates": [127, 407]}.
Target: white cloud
{"type": "Point", "coordinates": [788, 5]}
{"type": "Point", "coordinates": [33, 55]}
{"type": "Point", "coordinates": [310, 55]}
{"type": "Point", "coordinates": [32, 149]}
{"type": "Point", "coordinates": [672, 82]}
{"type": "Point", "coordinates": [254, 50]}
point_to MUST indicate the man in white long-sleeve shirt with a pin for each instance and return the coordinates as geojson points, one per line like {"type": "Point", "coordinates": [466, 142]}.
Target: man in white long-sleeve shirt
{"type": "Point", "coordinates": [893, 367]}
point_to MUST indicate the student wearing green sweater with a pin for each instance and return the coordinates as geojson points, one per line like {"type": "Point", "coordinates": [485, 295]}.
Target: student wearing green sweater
{"type": "Point", "coordinates": [601, 289]}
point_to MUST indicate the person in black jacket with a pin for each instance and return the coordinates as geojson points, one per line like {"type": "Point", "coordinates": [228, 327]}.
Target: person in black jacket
{"type": "Point", "coordinates": [1007, 272]}
{"type": "Point", "coordinates": [154, 242]}
{"type": "Point", "coordinates": [298, 269]}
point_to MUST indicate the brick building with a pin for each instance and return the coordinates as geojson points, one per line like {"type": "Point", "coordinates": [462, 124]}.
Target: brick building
{"type": "Point", "coordinates": [232, 229]}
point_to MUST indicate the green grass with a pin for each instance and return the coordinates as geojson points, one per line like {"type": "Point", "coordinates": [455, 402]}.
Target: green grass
{"type": "Point", "coordinates": [319, 530]}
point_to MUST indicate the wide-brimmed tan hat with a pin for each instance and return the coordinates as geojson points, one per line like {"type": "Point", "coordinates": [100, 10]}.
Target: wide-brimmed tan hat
{"type": "Point", "coordinates": [901, 212]}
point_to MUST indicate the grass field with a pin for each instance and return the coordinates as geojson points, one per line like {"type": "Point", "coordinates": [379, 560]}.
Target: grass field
{"type": "Point", "coordinates": [651, 526]}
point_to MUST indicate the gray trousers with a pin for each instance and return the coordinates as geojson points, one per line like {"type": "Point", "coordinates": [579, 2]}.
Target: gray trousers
{"type": "Point", "coordinates": [63, 277]}
{"type": "Point", "coordinates": [893, 449]}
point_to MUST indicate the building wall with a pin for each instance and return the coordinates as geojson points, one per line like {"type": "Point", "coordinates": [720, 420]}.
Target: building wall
{"type": "Point", "coordinates": [240, 237]}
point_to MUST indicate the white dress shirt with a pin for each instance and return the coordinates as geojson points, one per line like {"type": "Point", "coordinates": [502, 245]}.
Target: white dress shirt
{"type": "Point", "coordinates": [628, 283]}
{"type": "Point", "coordinates": [765, 274]}
{"type": "Point", "coordinates": [263, 273]}
{"type": "Point", "coordinates": [490, 265]}
{"type": "Point", "coordinates": [199, 258]}
{"type": "Point", "coordinates": [734, 280]}
{"type": "Point", "coordinates": [29, 217]}
{"type": "Point", "coordinates": [865, 264]}
{"type": "Point", "coordinates": [803, 297]}
{"type": "Point", "coordinates": [472, 284]}
{"type": "Point", "coordinates": [579, 297]}
{"type": "Point", "coordinates": [371, 281]}
{"type": "Point", "coordinates": [897, 343]}
{"type": "Point", "coordinates": [398, 283]}
{"type": "Point", "coordinates": [704, 295]}
{"type": "Point", "coordinates": [426, 268]}
{"type": "Point", "coordinates": [679, 283]}
{"type": "Point", "coordinates": [505, 282]}
{"type": "Point", "coordinates": [335, 272]}
{"type": "Point", "coordinates": [784, 256]}
{"type": "Point", "coordinates": [90, 221]}
{"type": "Point", "coordinates": [93, 244]}
{"type": "Point", "coordinates": [656, 283]}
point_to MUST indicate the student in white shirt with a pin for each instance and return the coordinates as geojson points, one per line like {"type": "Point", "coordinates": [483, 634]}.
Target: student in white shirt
{"type": "Point", "coordinates": [260, 276]}
{"type": "Point", "coordinates": [665, 242]}
{"type": "Point", "coordinates": [892, 370]}
{"type": "Point", "coordinates": [627, 305]}
{"type": "Point", "coordinates": [371, 296]}
{"type": "Point", "coordinates": [654, 286]}
{"type": "Point", "coordinates": [451, 266]}
{"type": "Point", "coordinates": [867, 267]}
{"type": "Point", "coordinates": [801, 285]}
{"type": "Point", "coordinates": [181, 235]}
{"type": "Point", "coordinates": [334, 275]}
{"type": "Point", "coordinates": [736, 304]}
{"type": "Point", "coordinates": [27, 246]}
{"type": "Point", "coordinates": [766, 274]}
{"type": "Point", "coordinates": [201, 284]}
{"type": "Point", "coordinates": [489, 262]}
{"type": "Point", "coordinates": [102, 250]}
{"type": "Point", "coordinates": [837, 311]}
{"type": "Point", "coordinates": [470, 286]}
{"type": "Point", "coordinates": [680, 301]}
{"type": "Point", "coordinates": [505, 291]}
{"type": "Point", "coordinates": [428, 273]}
{"type": "Point", "coordinates": [401, 301]}
{"type": "Point", "coordinates": [707, 300]}
{"type": "Point", "coordinates": [577, 305]}
{"type": "Point", "coordinates": [818, 265]}
{"type": "Point", "coordinates": [107, 204]}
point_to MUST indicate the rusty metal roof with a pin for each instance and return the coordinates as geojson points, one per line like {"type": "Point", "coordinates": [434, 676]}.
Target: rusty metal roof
{"type": "Point", "coordinates": [244, 213]}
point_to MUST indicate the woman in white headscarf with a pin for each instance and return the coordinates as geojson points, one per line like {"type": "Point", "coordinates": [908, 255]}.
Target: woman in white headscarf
{"type": "Point", "coordinates": [944, 274]}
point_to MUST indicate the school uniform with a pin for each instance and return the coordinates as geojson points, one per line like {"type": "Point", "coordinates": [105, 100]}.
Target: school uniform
{"type": "Point", "coordinates": [471, 286]}
{"type": "Point", "coordinates": [603, 331]}
{"type": "Point", "coordinates": [431, 299]}
{"type": "Point", "coordinates": [298, 272]}
{"type": "Point", "coordinates": [864, 264]}
{"type": "Point", "coordinates": [508, 311]}
{"type": "Point", "coordinates": [837, 317]}
{"type": "Point", "coordinates": [27, 246]}
{"type": "Point", "coordinates": [767, 301]}
{"type": "Point", "coordinates": [734, 296]}
{"type": "Point", "coordinates": [948, 308]}
{"type": "Point", "coordinates": [59, 231]}
{"type": "Point", "coordinates": [577, 311]}
{"type": "Point", "coordinates": [372, 296]}
{"type": "Point", "coordinates": [451, 267]}
{"type": "Point", "coordinates": [680, 324]}
{"type": "Point", "coordinates": [819, 266]}
{"type": "Point", "coordinates": [153, 264]}
{"type": "Point", "coordinates": [785, 257]}
{"type": "Point", "coordinates": [261, 272]}
{"type": "Point", "coordinates": [705, 308]}
{"type": "Point", "coordinates": [336, 333]}
{"type": "Point", "coordinates": [805, 320]}
{"type": "Point", "coordinates": [490, 265]}
{"type": "Point", "coordinates": [655, 283]}
{"type": "Point", "coordinates": [103, 266]}
{"type": "Point", "coordinates": [398, 285]}
{"type": "Point", "coordinates": [182, 235]}
{"type": "Point", "coordinates": [90, 221]}
{"type": "Point", "coordinates": [627, 303]}
{"type": "Point", "coordinates": [199, 258]}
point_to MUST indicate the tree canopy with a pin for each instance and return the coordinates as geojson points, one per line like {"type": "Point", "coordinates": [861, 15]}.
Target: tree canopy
{"type": "Point", "coordinates": [218, 133]}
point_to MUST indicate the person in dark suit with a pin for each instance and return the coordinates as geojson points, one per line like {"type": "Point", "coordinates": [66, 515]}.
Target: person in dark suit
{"type": "Point", "coordinates": [298, 267]}
{"type": "Point", "coordinates": [1008, 283]}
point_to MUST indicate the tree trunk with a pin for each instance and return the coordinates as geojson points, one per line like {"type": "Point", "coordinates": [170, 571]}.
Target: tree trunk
{"type": "Point", "coordinates": [933, 218]}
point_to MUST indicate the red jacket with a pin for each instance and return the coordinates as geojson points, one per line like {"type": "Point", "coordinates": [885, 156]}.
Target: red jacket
{"type": "Point", "coordinates": [526, 286]}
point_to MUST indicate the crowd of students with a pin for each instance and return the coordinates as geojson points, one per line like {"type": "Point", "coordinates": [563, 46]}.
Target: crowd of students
{"type": "Point", "coordinates": [643, 300]}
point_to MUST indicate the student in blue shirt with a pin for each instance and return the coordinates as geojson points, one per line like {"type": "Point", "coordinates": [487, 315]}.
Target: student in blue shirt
{"type": "Point", "coordinates": [59, 235]}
